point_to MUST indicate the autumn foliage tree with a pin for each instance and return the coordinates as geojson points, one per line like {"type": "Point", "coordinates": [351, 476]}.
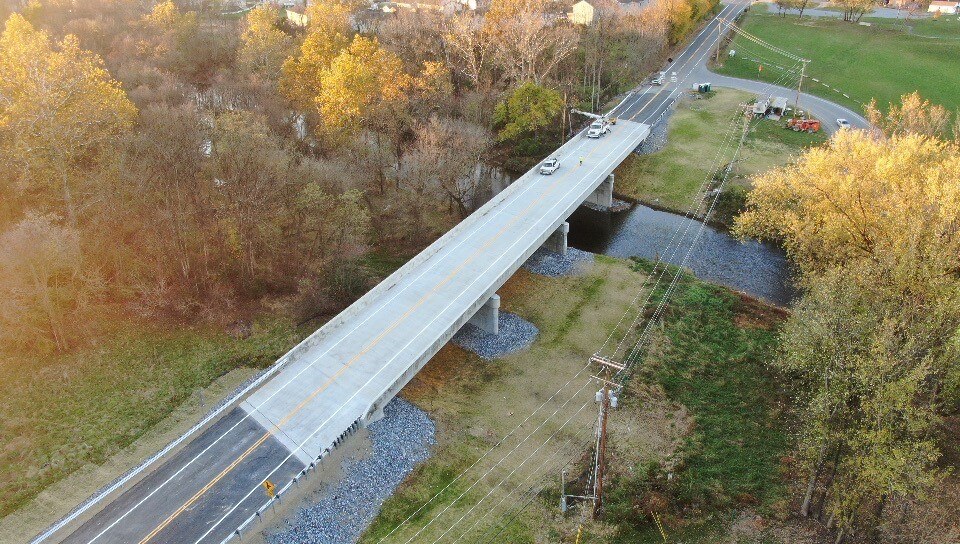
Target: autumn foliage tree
{"type": "Point", "coordinates": [59, 110]}
{"type": "Point", "coordinates": [328, 34]}
{"type": "Point", "coordinates": [265, 47]}
{"type": "Point", "coordinates": [873, 223]}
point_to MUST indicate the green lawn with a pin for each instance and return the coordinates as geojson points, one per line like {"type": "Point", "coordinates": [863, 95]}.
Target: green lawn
{"type": "Point", "coordinates": [863, 62]}
{"type": "Point", "coordinates": [63, 413]}
{"type": "Point", "coordinates": [719, 345]}
{"type": "Point", "coordinates": [672, 178]}
{"type": "Point", "coordinates": [941, 27]}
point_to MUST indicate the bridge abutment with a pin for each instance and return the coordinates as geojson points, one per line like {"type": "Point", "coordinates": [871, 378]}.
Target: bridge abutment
{"type": "Point", "coordinates": [487, 317]}
{"type": "Point", "coordinates": [557, 242]}
{"type": "Point", "coordinates": [603, 195]}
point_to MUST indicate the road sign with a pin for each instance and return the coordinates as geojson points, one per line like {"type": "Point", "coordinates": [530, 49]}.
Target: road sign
{"type": "Point", "coordinates": [269, 487]}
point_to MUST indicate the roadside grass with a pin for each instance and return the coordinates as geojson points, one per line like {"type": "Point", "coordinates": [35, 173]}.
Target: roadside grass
{"type": "Point", "coordinates": [703, 407]}
{"type": "Point", "coordinates": [672, 177]}
{"type": "Point", "coordinates": [65, 413]}
{"type": "Point", "coordinates": [944, 27]}
{"type": "Point", "coordinates": [864, 62]}
{"type": "Point", "coordinates": [717, 367]}
{"type": "Point", "coordinates": [714, 347]}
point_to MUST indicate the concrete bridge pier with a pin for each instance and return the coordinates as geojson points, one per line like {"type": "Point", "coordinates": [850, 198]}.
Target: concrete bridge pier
{"type": "Point", "coordinates": [557, 242]}
{"type": "Point", "coordinates": [487, 317]}
{"type": "Point", "coordinates": [603, 195]}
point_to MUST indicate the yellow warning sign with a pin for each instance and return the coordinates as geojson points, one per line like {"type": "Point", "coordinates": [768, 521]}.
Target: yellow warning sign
{"type": "Point", "coordinates": [268, 485]}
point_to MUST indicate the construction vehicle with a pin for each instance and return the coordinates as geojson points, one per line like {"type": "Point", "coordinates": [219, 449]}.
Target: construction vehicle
{"type": "Point", "coordinates": [601, 123]}
{"type": "Point", "coordinates": [598, 128]}
{"type": "Point", "coordinates": [800, 124]}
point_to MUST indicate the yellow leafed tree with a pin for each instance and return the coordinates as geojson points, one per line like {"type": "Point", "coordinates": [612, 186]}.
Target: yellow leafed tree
{"type": "Point", "coordinates": [59, 109]}
{"type": "Point", "coordinates": [364, 84]}
{"type": "Point", "coordinates": [329, 33]}
{"type": "Point", "coordinates": [862, 197]}
{"type": "Point", "coordinates": [265, 46]}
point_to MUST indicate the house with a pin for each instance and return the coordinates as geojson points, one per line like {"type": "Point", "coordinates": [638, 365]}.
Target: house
{"type": "Point", "coordinates": [581, 13]}
{"type": "Point", "coordinates": [447, 7]}
{"type": "Point", "coordinates": [951, 7]}
{"type": "Point", "coordinates": [297, 17]}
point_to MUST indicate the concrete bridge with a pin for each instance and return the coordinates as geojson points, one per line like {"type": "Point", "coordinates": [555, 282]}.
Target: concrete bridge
{"type": "Point", "coordinates": [340, 378]}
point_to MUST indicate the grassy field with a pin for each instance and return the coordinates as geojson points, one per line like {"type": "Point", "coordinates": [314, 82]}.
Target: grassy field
{"type": "Point", "coordinates": [703, 411]}
{"type": "Point", "coordinates": [863, 62]}
{"type": "Point", "coordinates": [672, 177]}
{"type": "Point", "coordinates": [64, 414]}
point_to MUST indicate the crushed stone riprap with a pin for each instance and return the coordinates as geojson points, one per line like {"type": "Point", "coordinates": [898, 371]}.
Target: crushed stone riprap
{"type": "Point", "coordinates": [548, 263]}
{"type": "Point", "coordinates": [516, 333]}
{"type": "Point", "coordinates": [399, 441]}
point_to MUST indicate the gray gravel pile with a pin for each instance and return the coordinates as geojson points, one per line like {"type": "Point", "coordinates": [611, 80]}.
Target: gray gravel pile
{"type": "Point", "coordinates": [400, 440]}
{"type": "Point", "coordinates": [548, 263]}
{"type": "Point", "coordinates": [516, 333]}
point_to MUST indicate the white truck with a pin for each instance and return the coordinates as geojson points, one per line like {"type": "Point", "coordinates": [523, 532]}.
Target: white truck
{"type": "Point", "coordinates": [549, 166]}
{"type": "Point", "coordinates": [598, 128]}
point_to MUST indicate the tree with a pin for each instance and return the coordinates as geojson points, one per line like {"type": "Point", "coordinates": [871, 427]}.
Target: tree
{"type": "Point", "coordinates": [59, 110]}
{"type": "Point", "coordinates": [43, 287]}
{"type": "Point", "coordinates": [913, 115]}
{"type": "Point", "coordinates": [526, 110]}
{"type": "Point", "coordinates": [469, 45]}
{"type": "Point", "coordinates": [329, 33]}
{"type": "Point", "coordinates": [867, 423]}
{"type": "Point", "coordinates": [265, 47]}
{"type": "Point", "coordinates": [527, 45]}
{"type": "Point", "coordinates": [783, 6]}
{"type": "Point", "coordinates": [861, 198]}
{"type": "Point", "coordinates": [448, 158]}
{"type": "Point", "coordinates": [853, 10]}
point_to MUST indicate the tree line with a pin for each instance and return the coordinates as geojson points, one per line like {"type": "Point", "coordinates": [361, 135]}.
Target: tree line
{"type": "Point", "coordinates": [162, 160]}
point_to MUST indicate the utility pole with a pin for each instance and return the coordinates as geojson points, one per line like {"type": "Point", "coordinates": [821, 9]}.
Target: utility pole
{"type": "Point", "coordinates": [719, 39]}
{"type": "Point", "coordinates": [601, 451]}
{"type": "Point", "coordinates": [803, 72]}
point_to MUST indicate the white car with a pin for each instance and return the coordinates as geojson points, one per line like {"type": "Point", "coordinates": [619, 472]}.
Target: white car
{"type": "Point", "coordinates": [843, 123]}
{"type": "Point", "coordinates": [549, 166]}
{"type": "Point", "coordinates": [598, 128]}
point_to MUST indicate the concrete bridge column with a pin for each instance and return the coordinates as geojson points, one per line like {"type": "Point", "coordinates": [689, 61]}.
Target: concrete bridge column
{"type": "Point", "coordinates": [557, 242]}
{"type": "Point", "coordinates": [603, 195]}
{"type": "Point", "coordinates": [487, 317]}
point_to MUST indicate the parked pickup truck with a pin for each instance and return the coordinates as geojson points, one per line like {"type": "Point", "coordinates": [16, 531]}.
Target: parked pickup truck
{"type": "Point", "coordinates": [549, 166]}
{"type": "Point", "coordinates": [598, 128]}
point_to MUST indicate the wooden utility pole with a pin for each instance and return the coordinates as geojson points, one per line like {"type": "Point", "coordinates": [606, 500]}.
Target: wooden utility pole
{"type": "Point", "coordinates": [719, 39]}
{"type": "Point", "coordinates": [803, 72]}
{"type": "Point", "coordinates": [601, 450]}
